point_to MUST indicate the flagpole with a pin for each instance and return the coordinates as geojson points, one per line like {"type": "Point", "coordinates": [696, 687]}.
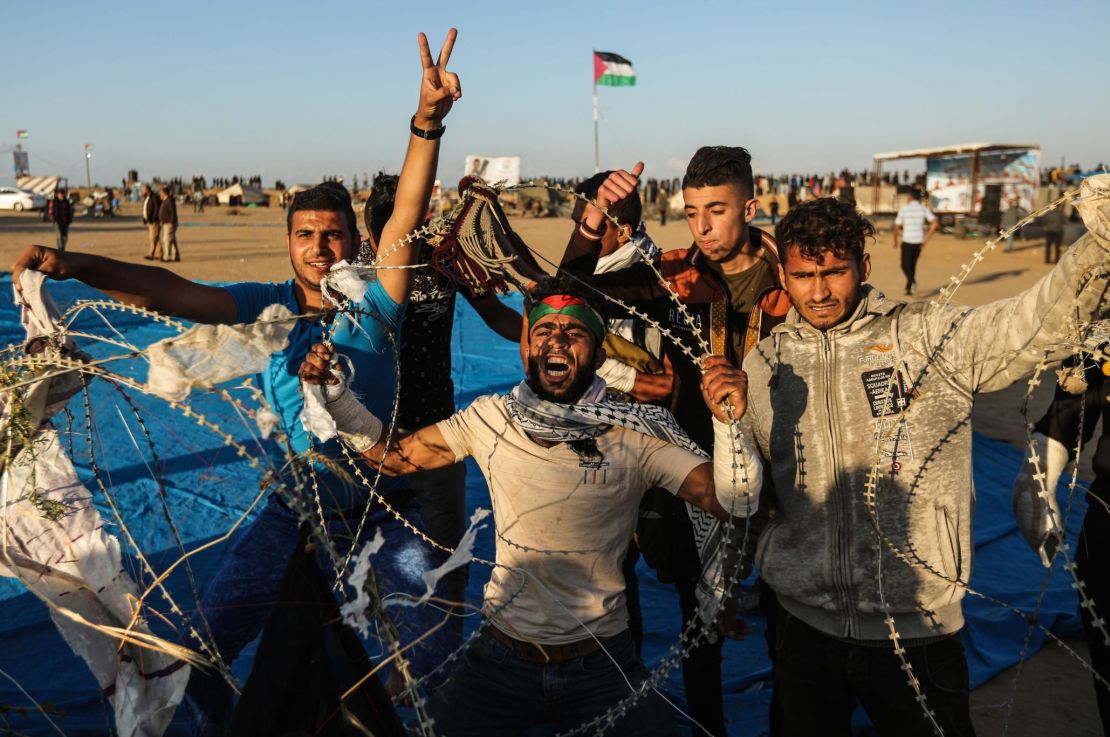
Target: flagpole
{"type": "Point", "coordinates": [597, 146]}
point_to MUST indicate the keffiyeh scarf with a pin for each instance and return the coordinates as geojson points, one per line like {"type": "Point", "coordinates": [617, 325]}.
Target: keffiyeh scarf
{"type": "Point", "coordinates": [641, 246]}
{"type": "Point", "coordinates": [593, 415]}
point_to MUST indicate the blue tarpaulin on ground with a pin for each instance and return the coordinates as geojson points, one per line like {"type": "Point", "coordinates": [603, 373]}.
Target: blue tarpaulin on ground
{"type": "Point", "coordinates": [207, 487]}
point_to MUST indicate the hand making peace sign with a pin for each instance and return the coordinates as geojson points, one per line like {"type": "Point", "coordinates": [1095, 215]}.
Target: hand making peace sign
{"type": "Point", "coordinates": [439, 88]}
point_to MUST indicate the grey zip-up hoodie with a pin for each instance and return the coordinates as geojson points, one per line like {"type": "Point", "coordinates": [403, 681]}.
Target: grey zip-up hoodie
{"type": "Point", "coordinates": [892, 387]}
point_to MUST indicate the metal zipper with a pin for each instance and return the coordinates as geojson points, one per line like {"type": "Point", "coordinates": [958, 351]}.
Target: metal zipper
{"type": "Point", "coordinates": [841, 537]}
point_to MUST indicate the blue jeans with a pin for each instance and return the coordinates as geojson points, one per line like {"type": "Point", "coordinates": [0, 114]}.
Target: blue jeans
{"type": "Point", "coordinates": [244, 591]}
{"type": "Point", "coordinates": [492, 693]}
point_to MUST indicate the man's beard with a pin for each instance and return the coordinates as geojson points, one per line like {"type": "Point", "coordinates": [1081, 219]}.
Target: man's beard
{"type": "Point", "coordinates": [582, 381]}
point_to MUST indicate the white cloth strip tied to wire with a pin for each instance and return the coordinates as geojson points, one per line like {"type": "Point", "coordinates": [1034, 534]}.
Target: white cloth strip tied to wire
{"type": "Point", "coordinates": [460, 556]}
{"type": "Point", "coordinates": [348, 280]}
{"type": "Point", "coordinates": [334, 410]}
{"type": "Point", "coordinates": [1034, 497]}
{"type": "Point", "coordinates": [206, 355]}
{"type": "Point", "coordinates": [39, 317]}
{"type": "Point", "coordinates": [354, 612]}
{"type": "Point", "coordinates": [53, 540]}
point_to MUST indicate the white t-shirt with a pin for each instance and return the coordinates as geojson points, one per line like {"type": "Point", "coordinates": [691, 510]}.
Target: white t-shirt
{"type": "Point", "coordinates": [562, 527]}
{"type": "Point", "coordinates": [912, 218]}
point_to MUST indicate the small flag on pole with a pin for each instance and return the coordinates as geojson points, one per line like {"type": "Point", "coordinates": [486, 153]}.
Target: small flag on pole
{"type": "Point", "coordinates": [22, 134]}
{"type": "Point", "coordinates": [613, 70]}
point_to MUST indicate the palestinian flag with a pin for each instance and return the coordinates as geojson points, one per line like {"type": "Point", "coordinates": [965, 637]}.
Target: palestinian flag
{"type": "Point", "coordinates": [21, 134]}
{"type": "Point", "coordinates": [613, 70]}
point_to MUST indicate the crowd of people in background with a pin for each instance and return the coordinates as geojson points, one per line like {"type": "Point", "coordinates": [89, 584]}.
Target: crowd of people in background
{"type": "Point", "coordinates": [571, 467]}
{"type": "Point", "coordinates": [778, 194]}
{"type": "Point", "coordinates": [657, 192]}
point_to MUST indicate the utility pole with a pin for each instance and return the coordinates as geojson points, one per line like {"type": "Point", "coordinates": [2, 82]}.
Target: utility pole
{"type": "Point", "coordinates": [88, 158]}
{"type": "Point", "coordinates": [597, 145]}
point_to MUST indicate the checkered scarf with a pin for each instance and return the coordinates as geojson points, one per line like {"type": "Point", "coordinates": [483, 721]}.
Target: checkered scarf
{"type": "Point", "coordinates": [589, 418]}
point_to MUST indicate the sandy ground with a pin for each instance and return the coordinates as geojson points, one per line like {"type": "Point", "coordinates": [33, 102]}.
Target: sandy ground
{"type": "Point", "coordinates": [1054, 696]}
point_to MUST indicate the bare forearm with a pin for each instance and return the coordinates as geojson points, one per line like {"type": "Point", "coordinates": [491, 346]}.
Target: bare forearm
{"type": "Point", "coordinates": [392, 463]}
{"type": "Point", "coordinates": [152, 288]}
{"type": "Point", "coordinates": [395, 462]}
{"type": "Point", "coordinates": [414, 187]}
{"type": "Point", "coordinates": [652, 387]}
{"type": "Point", "coordinates": [499, 317]}
{"type": "Point", "coordinates": [423, 450]}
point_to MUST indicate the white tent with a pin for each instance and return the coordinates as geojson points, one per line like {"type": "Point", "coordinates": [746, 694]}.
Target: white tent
{"type": "Point", "coordinates": [42, 185]}
{"type": "Point", "coordinates": [244, 195]}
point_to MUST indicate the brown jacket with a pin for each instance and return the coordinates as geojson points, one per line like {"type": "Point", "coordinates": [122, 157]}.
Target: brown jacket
{"type": "Point", "coordinates": [706, 299]}
{"type": "Point", "coordinates": [167, 211]}
{"type": "Point", "coordinates": [151, 205]}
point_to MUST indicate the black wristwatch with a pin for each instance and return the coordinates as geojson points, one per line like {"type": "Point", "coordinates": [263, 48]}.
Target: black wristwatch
{"type": "Point", "coordinates": [426, 135]}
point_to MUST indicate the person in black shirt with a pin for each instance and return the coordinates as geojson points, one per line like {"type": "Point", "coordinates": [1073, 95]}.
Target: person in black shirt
{"type": "Point", "coordinates": [60, 211]}
{"type": "Point", "coordinates": [426, 392]}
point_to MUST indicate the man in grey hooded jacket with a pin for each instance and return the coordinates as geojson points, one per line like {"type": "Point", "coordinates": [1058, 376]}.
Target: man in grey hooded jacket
{"type": "Point", "coordinates": [862, 407]}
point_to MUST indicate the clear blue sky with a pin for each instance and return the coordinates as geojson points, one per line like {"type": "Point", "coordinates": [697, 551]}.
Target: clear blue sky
{"type": "Point", "coordinates": [300, 90]}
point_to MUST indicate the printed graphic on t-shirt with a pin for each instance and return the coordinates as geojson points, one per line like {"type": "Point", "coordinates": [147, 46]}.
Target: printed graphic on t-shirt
{"type": "Point", "coordinates": [678, 321]}
{"type": "Point", "coordinates": [878, 354]}
{"type": "Point", "coordinates": [896, 446]}
{"type": "Point", "coordinates": [886, 396]}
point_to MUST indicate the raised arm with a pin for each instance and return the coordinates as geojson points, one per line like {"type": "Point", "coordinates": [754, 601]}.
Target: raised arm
{"type": "Point", "coordinates": [998, 343]}
{"type": "Point", "coordinates": [150, 287]}
{"type": "Point", "coordinates": [439, 89]}
{"type": "Point", "coordinates": [581, 254]}
{"type": "Point", "coordinates": [498, 316]}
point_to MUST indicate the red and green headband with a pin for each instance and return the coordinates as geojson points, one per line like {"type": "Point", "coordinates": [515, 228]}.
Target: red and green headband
{"type": "Point", "coordinates": [564, 304]}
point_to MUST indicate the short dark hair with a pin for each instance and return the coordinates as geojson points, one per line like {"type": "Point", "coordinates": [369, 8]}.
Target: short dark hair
{"type": "Point", "coordinates": [824, 224]}
{"type": "Point", "coordinates": [914, 194]}
{"type": "Point", "coordinates": [325, 197]}
{"type": "Point", "coordinates": [629, 211]}
{"type": "Point", "coordinates": [713, 166]}
{"type": "Point", "coordinates": [379, 207]}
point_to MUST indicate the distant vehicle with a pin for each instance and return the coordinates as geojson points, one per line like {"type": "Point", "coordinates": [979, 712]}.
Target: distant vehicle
{"type": "Point", "coordinates": [14, 198]}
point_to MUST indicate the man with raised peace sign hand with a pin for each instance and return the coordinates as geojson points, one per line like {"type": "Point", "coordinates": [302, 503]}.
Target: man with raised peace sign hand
{"type": "Point", "coordinates": [322, 230]}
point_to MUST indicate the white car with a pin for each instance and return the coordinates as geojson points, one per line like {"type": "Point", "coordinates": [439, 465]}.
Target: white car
{"type": "Point", "coordinates": [14, 198]}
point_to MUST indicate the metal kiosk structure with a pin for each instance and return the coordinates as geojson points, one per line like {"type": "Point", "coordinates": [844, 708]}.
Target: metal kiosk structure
{"type": "Point", "coordinates": [977, 163]}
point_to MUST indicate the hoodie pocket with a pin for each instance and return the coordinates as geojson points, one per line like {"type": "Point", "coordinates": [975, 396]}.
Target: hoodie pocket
{"type": "Point", "coordinates": [948, 541]}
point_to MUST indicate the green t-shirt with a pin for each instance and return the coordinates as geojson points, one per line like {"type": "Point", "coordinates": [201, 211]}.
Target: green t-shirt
{"type": "Point", "coordinates": [743, 290]}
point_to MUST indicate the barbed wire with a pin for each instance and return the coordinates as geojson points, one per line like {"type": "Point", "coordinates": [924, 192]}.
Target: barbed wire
{"type": "Point", "coordinates": [692, 635]}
